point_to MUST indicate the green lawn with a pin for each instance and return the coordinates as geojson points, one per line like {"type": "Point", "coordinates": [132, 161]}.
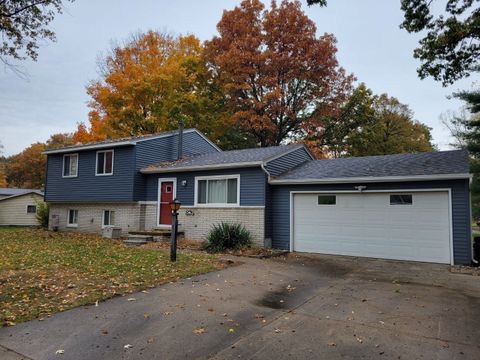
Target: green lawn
{"type": "Point", "coordinates": [44, 272]}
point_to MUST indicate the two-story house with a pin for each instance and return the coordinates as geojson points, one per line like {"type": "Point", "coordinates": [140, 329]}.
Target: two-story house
{"type": "Point", "coordinates": [408, 206]}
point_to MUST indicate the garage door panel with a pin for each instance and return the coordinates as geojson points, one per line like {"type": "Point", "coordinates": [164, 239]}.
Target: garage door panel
{"type": "Point", "coordinates": [367, 225]}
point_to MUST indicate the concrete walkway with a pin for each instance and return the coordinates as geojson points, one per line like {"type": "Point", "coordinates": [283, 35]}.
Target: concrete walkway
{"type": "Point", "coordinates": [290, 308]}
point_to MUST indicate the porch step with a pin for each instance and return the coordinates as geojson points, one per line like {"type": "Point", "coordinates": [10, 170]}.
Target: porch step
{"type": "Point", "coordinates": [136, 240]}
{"type": "Point", "coordinates": [159, 232]}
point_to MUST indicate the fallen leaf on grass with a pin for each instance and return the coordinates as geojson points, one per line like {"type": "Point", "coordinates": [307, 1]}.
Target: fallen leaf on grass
{"type": "Point", "coordinates": [199, 330]}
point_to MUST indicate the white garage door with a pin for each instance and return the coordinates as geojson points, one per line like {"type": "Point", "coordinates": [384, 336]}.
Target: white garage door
{"type": "Point", "coordinates": [404, 226]}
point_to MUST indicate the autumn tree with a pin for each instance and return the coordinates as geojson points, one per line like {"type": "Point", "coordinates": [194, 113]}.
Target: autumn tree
{"type": "Point", "coordinates": [393, 131]}
{"type": "Point", "coordinates": [331, 134]}
{"type": "Point", "coordinates": [148, 85]}
{"type": "Point", "coordinates": [23, 23]}
{"type": "Point", "coordinates": [275, 72]}
{"type": "Point", "coordinates": [3, 179]}
{"type": "Point", "coordinates": [368, 124]}
{"type": "Point", "coordinates": [27, 169]}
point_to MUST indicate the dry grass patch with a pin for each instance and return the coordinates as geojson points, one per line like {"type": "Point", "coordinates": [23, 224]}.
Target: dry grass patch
{"type": "Point", "coordinates": [43, 272]}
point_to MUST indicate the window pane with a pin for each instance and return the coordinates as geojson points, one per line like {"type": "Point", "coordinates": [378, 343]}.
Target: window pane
{"type": "Point", "coordinates": [202, 192]}
{"type": "Point", "coordinates": [105, 218]}
{"type": "Point", "coordinates": [232, 191]}
{"type": "Point", "coordinates": [31, 209]}
{"type": "Point", "coordinates": [100, 162]}
{"type": "Point", "coordinates": [66, 165]}
{"type": "Point", "coordinates": [72, 217]}
{"type": "Point", "coordinates": [217, 191]}
{"type": "Point", "coordinates": [401, 199]}
{"type": "Point", "coordinates": [327, 199]}
{"type": "Point", "coordinates": [108, 162]}
{"type": "Point", "coordinates": [73, 165]}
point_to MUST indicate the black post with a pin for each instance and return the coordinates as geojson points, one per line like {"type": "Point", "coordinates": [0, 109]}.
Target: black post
{"type": "Point", "coordinates": [173, 243]}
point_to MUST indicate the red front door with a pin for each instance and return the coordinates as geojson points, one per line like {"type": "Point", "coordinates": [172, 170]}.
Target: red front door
{"type": "Point", "coordinates": [166, 196]}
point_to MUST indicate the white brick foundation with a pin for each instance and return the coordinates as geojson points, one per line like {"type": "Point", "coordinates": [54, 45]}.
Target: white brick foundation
{"type": "Point", "coordinates": [143, 216]}
{"type": "Point", "coordinates": [198, 224]}
{"type": "Point", "coordinates": [127, 216]}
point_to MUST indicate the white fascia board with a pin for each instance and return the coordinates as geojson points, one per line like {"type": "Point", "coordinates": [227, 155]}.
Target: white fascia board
{"type": "Point", "coordinates": [371, 179]}
{"type": "Point", "coordinates": [202, 167]}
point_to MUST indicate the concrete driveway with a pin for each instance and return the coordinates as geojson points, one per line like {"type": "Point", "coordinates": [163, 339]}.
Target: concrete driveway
{"type": "Point", "coordinates": [288, 308]}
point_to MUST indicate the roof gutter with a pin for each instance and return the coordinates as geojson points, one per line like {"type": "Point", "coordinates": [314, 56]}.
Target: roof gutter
{"type": "Point", "coordinates": [89, 147]}
{"type": "Point", "coordinates": [201, 167]}
{"type": "Point", "coordinates": [371, 179]}
{"type": "Point", "coordinates": [123, 143]}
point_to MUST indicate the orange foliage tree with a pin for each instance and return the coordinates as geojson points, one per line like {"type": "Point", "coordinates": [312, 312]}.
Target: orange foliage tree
{"type": "Point", "coordinates": [276, 73]}
{"type": "Point", "coordinates": [147, 85]}
{"type": "Point", "coordinates": [27, 169]}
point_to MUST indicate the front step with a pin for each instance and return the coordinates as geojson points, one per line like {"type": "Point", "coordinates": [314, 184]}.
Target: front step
{"type": "Point", "coordinates": [156, 235]}
{"type": "Point", "coordinates": [137, 240]}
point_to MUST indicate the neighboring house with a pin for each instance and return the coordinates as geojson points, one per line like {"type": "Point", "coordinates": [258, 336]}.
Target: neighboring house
{"type": "Point", "coordinates": [407, 207]}
{"type": "Point", "coordinates": [18, 207]}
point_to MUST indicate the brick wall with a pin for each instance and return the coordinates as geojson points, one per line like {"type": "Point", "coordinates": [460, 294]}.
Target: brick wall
{"type": "Point", "coordinates": [127, 216]}
{"type": "Point", "coordinates": [197, 226]}
{"type": "Point", "coordinates": [143, 216]}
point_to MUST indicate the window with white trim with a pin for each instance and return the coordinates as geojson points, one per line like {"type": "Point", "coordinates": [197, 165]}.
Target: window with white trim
{"type": "Point", "coordinates": [104, 162]}
{"type": "Point", "coordinates": [70, 165]}
{"type": "Point", "coordinates": [72, 220]}
{"type": "Point", "coordinates": [218, 190]}
{"type": "Point", "coordinates": [108, 218]}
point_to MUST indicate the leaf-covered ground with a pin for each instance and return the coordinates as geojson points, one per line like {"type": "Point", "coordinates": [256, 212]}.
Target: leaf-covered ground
{"type": "Point", "coordinates": [44, 272]}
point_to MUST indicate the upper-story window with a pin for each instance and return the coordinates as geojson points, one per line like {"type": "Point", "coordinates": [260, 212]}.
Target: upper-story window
{"type": "Point", "coordinates": [70, 165]}
{"type": "Point", "coordinates": [217, 190]}
{"type": "Point", "coordinates": [104, 162]}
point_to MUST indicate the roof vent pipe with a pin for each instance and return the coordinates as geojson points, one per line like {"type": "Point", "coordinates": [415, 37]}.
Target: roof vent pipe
{"type": "Point", "coordinates": [180, 140]}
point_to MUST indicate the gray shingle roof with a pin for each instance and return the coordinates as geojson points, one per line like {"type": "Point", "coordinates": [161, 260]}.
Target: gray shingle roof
{"type": "Point", "coordinates": [431, 163]}
{"type": "Point", "coordinates": [120, 141]}
{"type": "Point", "coordinates": [12, 191]}
{"type": "Point", "coordinates": [224, 158]}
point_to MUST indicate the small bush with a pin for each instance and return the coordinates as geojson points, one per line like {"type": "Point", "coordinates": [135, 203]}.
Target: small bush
{"type": "Point", "coordinates": [227, 236]}
{"type": "Point", "coordinates": [43, 211]}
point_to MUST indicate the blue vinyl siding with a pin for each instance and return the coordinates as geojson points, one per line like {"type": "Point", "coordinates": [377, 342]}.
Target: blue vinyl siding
{"type": "Point", "coordinates": [462, 247]}
{"type": "Point", "coordinates": [252, 185]}
{"type": "Point", "coordinates": [126, 183]}
{"type": "Point", "coordinates": [86, 186]}
{"type": "Point", "coordinates": [165, 149]}
{"type": "Point", "coordinates": [287, 162]}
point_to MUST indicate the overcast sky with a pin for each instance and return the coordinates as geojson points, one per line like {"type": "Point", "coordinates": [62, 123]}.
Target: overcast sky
{"type": "Point", "coordinates": [53, 99]}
